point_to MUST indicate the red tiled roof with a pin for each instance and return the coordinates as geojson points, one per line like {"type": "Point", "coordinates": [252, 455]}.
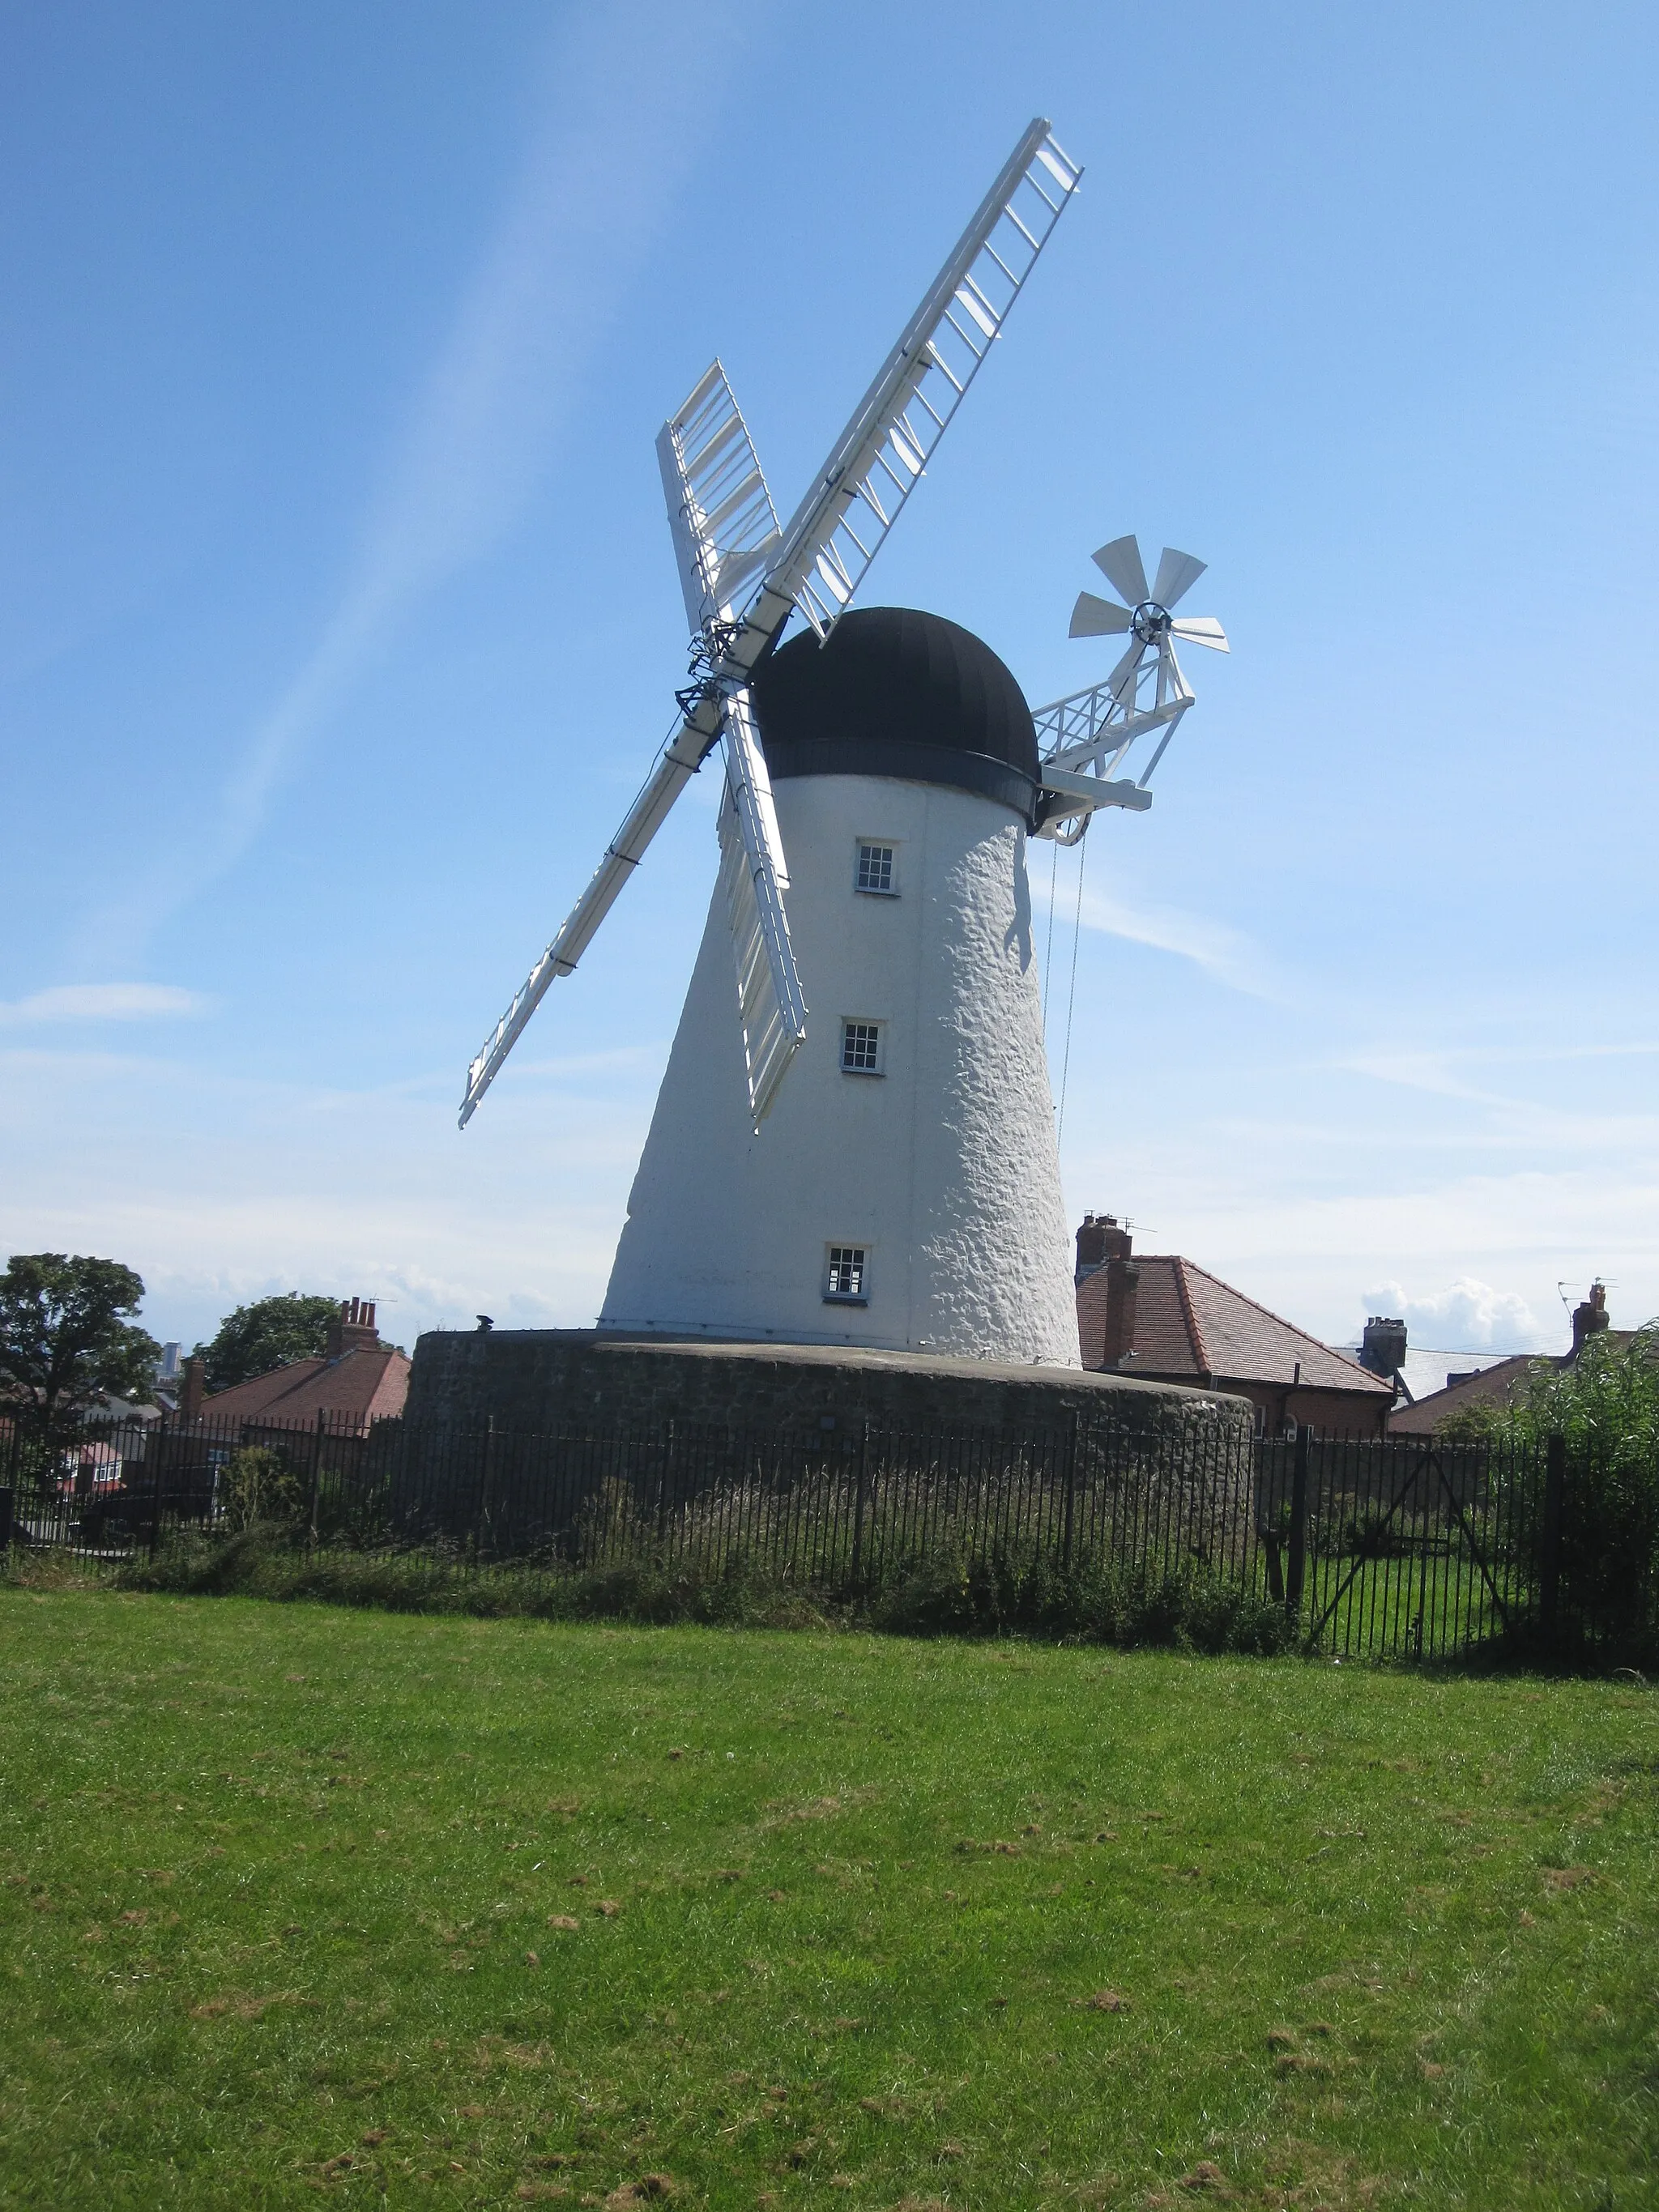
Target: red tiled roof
{"type": "Point", "coordinates": [369, 1385]}
{"type": "Point", "coordinates": [1188, 1324]}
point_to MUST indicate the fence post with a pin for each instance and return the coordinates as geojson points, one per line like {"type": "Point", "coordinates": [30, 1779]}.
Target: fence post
{"type": "Point", "coordinates": [1298, 1546]}
{"type": "Point", "coordinates": [667, 1473]}
{"type": "Point", "coordinates": [5, 1519]}
{"type": "Point", "coordinates": [157, 1451]}
{"type": "Point", "coordinates": [316, 1474]}
{"type": "Point", "coordinates": [486, 1485]}
{"type": "Point", "coordinates": [858, 1504]}
{"type": "Point", "coordinates": [1071, 1488]}
{"type": "Point", "coordinates": [1549, 1576]}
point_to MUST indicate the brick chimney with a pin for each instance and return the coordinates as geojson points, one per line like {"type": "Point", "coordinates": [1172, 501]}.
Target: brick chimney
{"type": "Point", "coordinates": [1383, 1348]}
{"type": "Point", "coordinates": [355, 1330]}
{"type": "Point", "coordinates": [1122, 1296]}
{"type": "Point", "coordinates": [1100, 1239]}
{"type": "Point", "coordinates": [1588, 1317]}
{"type": "Point", "coordinates": [193, 1391]}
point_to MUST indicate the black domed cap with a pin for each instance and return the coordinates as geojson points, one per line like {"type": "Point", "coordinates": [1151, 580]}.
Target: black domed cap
{"type": "Point", "coordinates": [898, 693]}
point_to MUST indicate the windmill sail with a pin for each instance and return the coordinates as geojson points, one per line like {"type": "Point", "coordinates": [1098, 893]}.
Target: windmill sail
{"type": "Point", "coordinates": [769, 998]}
{"type": "Point", "coordinates": [720, 511]}
{"type": "Point", "coordinates": [724, 526]}
{"type": "Point", "coordinates": [876, 463]}
{"type": "Point", "coordinates": [676, 765]}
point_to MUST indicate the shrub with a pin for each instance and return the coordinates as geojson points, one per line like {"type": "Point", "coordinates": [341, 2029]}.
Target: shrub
{"type": "Point", "coordinates": [259, 1483]}
{"type": "Point", "coordinates": [1186, 1606]}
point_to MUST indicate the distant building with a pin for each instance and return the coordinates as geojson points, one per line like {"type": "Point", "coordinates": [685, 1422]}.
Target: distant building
{"type": "Point", "coordinates": [358, 1380]}
{"type": "Point", "coordinates": [1165, 1318]}
{"type": "Point", "coordinates": [1505, 1381]}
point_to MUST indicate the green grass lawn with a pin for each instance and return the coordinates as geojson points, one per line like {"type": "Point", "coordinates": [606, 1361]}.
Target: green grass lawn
{"type": "Point", "coordinates": [455, 1912]}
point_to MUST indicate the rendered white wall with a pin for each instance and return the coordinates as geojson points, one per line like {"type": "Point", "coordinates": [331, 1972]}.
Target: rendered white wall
{"type": "Point", "coordinates": [944, 1167]}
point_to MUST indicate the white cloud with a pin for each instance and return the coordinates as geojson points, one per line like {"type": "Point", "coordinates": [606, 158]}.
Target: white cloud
{"type": "Point", "coordinates": [1468, 1316]}
{"type": "Point", "coordinates": [103, 1002]}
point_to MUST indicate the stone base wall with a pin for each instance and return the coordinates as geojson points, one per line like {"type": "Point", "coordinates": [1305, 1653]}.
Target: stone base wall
{"type": "Point", "coordinates": [534, 1382]}
{"type": "Point", "coordinates": [1168, 1469]}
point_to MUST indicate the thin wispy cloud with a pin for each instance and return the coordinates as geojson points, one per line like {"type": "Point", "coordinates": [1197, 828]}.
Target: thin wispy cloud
{"type": "Point", "coordinates": [1511, 1119]}
{"type": "Point", "coordinates": [1225, 954]}
{"type": "Point", "coordinates": [1438, 1072]}
{"type": "Point", "coordinates": [101, 1002]}
{"type": "Point", "coordinates": [630, 90]}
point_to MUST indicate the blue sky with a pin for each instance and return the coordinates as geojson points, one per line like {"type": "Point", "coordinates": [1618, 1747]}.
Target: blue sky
{"type": "Point", "coordinates": [338, 618]}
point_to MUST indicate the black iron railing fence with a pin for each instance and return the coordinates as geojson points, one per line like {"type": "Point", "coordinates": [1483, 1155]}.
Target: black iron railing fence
{"type": "Point", "coordinates": [1375, 1547]}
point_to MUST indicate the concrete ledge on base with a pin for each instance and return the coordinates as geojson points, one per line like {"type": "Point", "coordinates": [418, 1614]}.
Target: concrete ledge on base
{"type": "Point", "coordinates": [534, 1380]}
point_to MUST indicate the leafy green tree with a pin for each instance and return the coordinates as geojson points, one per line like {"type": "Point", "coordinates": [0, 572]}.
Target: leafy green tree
{"type": "Point", "coordinates": [1605, 1405]}
{"type": "Point", "coordinates": [66, 1338]}
{"type": "Point", "coordinates": [267, 1334]}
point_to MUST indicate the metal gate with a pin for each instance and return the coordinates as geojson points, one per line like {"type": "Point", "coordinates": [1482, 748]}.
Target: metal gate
{"type": "Point", "coordinates": [1405, 1546]}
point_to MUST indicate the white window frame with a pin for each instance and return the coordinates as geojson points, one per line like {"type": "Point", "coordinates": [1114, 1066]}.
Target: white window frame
{"type": "Point", "coordinates": [840, 1251]}
{"type": "Point", "coordinates": [891, 846]}
{"type": "Point", "coordinates": [878, 1032]}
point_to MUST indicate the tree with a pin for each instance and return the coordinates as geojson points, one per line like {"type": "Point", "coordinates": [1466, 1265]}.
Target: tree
{"type": "Point", "coordinates": [1606, 1407]}
{"type": "Point", "coordinates": [266, 1334]}
{"type": "Point", "coordinates": [65, 1338]}
{"type": "Point", "coordinates": [1605, 1403]}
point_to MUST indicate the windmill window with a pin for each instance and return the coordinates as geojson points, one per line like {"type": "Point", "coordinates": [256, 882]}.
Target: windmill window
{"type": "Point", "coordinates": [860, 1048]}
{"type": "Point", "coordinates": [845, 1275]}
{"type": "Point", "coordinates": [875, 871]}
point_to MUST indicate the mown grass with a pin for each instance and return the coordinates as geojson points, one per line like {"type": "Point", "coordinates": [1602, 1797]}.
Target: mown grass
{"type": "Point", "coordinates": [432, 1910]}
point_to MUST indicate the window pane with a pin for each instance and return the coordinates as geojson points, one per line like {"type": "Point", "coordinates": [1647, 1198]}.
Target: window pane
{"type": "Point", "coordinates": [859, 1046]}
{"type": "Point", "coordinates": [846, 1273]}
{"type": "Point", "coordinates": [875, 868]}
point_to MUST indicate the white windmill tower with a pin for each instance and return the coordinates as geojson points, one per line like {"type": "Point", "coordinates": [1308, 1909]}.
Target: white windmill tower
{"type": "Point", "coordinates": [901, 1189]}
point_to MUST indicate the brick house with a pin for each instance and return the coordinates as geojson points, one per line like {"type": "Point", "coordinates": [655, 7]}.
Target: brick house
{"type": "Point", "coordinates": [1164, 1317]}
{"type": "Point", "coordinates": [358, 1380]}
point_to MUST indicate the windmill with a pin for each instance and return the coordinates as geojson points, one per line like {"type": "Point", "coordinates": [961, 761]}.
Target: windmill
{"type": "Point", "coordinates": [892, 1181]}
{"type": "Point", "coordinates": [1094, 729]}
{"type": "Point", "coordinates": [745, 579]}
